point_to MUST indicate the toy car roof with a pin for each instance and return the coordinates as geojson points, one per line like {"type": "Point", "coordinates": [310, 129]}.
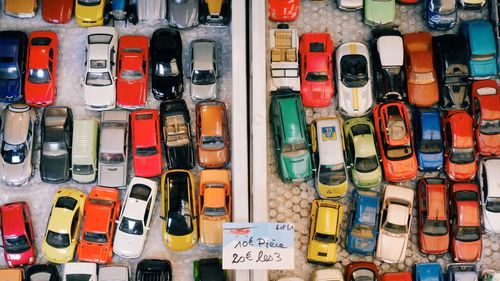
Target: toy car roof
{"type": "Point", "coordinates": [16, 122]}
{"type": "Point", "coordinates": [397, 214]}
{"type": "Point", "coordinates": [327, 217]}
{"type": "Point", "coordinates": [367, 207]}
{"type": "Point", "coordinates": [390, 49]}
{"type": "Point", "coordinates": [451, 50]}
{"type": "Point", "coordinates": [492, 166]}
{"type": "Point", "coordinates": [481, 37]}
{"type": "Point", "coordinates": [399, 192]}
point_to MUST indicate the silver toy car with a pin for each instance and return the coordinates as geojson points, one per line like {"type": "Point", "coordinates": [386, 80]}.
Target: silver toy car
{"type": "Point", "coordinates": [151, 11]}
{"type": "Point", "coordinates": [113, 272]}
{"type": "Point", "coordinates": [203, 71]}
{"type": "Point", "coordinates": [183, 13]}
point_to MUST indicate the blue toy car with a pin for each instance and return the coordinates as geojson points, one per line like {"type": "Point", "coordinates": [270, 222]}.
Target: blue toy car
{"type": "Point", "coordinates": [440, 14]}
{"type": "Point", "coordinates": [362, 231]}
{"type": "Point", "coordinates": [13, 46]}
{"type": "Point", "coordinates": [462, 271]}
{"type": "Point", "coordinates": [429, 140]}
{"type": "Point", "coordinates": [482, 51]}
{"type": "Point", "coordinates": [428, 272]}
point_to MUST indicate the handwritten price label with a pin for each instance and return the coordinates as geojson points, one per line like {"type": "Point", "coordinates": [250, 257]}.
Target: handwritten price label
{"type": "Point", "coordinates": [258, 246]}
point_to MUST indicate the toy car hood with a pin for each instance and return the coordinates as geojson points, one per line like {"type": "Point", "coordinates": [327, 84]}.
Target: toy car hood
{"type": "Point", "coordinates": [211, 230]}
{"type": "Point", "coordinates": [10, 86]}
{"type": "Point", "coordinates": [328, 275]}
{"type": "Point", "coordinates": [204, 92]}
{"type": "Point", "coordinates": [151, 11]}
{"type": "Point", "coordinates": [57, 11]}
{"type": "Point", "coordinates": [117, 273]}
{"type": "Point", "coordinates": [103, 96]}
{"type": "Point", "coordinates": [390, 50]}
{"type": "Point", "coordinates": [428, 271]}
{"type": "Point", "coordinates": [183, 14]}
{"type": "Point", "coordinates": [128, 245]}
{"type": "Point", "coordinates": [400, 193]}
{"type": "Point", "coordinates": [16, 174]}
{"type": "Point", "coordinates": [81, 268]}
{"type": "Point", "coordinates": [391, 248]}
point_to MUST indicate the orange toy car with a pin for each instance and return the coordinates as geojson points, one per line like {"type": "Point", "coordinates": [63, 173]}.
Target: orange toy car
{"type": "Point", "coordinates": [214, 201]}
{"type": "Point", "coordinates": [101, 211]}
{"type": "Point", "coordinates": [486, 114]}
{"type": "Point", "coordinates": [212, 134]}
{"type": "Point", "coordinates": [420, 73]}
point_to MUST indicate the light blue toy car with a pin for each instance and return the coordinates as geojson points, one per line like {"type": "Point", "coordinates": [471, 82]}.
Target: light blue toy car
{"type": "Point", "coordinates": [482, 51]}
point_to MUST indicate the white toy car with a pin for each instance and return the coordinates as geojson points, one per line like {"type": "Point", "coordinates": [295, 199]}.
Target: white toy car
{"type": "Point", "coordinates": [99, 89]}
{"type": "Point", "coordinates": [327, 275]}
{"type": "Point", "coordinates": [489, 180]}
{"type": "Point", "coordinates": [490, 275]}
{"type": "Point", "coordinates": [290, 279]}
{"type": "Point", "coordinates": [354, 79]}
{"type": "Point", "coordinates": [204, 70]}
{"type": "Point", "coordinates": [395, 222]}
{"type": "Point", "coordinates": [284, 45]}
{"type": "Point", "coordinates": [135, 217]}
{"type": "Point", "coordinates": [84, 271]}
{"type": "Point", "coordinates": [115, 273]}
{"type": "Point", "coordinates": [151, 11]}
{"type": "Point", "coordinates": [350, 5]}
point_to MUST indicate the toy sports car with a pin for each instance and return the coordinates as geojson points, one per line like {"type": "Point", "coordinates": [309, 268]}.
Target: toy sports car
{"type": "Point", "coordinates": [486, 115]}
{"type": "Point", "coordinates": [13, 53]}
{"type": "Point", "coordinates": [57, 11]}
{"type": "Point", "coordinates": [284, 10]}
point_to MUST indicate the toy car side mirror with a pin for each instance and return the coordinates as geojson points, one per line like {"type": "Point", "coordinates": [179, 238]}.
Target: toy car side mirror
{"type": "Point", "coordinates": [117, 221]}
{"type": "Point", "coordinates": [162, 217]}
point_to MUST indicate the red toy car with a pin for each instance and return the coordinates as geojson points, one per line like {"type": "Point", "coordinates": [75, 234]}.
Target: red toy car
{"type": "Point", "coordinates": [41, 68]}
{"type": "Point", "coordinates": [361, 270]}
{"type": "Point", "coordinates": [459, 153]}
{"type": "Point", "coordinates": [284, 10]}
{"type": "Point", "coordinates": [17, 234]}
{"type": "Point", "coordinates": [316, 69]}
{"type": "Point", "coordinates": [486, 115]}
{"type": "Point", "coordinates": [396, 276]}
{"type": "Point", "coordinates": [132, 75]}
{"type": "Point", "coordinates": [466, 240]}
{"type": "Point", "coordinates": [394, 138]}
{"type": "Point", "coordinates": [102, 208]}
{"type": "Point", "coordinates": [57, 11]}
{"type": "Point", "coordinates": [146, 146]}
{"type": "Point", "coordinates": [433, 220]}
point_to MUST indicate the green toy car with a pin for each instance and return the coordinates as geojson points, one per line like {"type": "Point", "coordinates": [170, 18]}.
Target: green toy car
{"type": "Point", "coordinates": [379, 12]}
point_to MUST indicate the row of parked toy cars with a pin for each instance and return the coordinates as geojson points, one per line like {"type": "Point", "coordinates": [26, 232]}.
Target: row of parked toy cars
{"type": "Point", "coordinates": [180, 14]}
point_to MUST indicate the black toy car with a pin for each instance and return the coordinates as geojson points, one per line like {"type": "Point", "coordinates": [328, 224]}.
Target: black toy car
{"type": "Point", "coordinates": [450, 59]}
{"type": "Point", "coordinates": [42, 272]}
{"type": "Point", "coordinates": [154, 270]}
{"type": "Point", "coordinates": [166, 61]}
{"type": "Point", "coordinates": [13, 45]}
{"type": "Point", "coordinates": [57, 131]}
{"type": "Point", "coordinates": [176, 134]}
{"type": "Point", "coordinates": [209, 270]}
{"type": "Point", "coordinates": [216, 13]}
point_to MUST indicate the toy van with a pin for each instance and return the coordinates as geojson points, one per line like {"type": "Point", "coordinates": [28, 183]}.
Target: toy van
{"type": "Point", "coordinates": [84, 154]}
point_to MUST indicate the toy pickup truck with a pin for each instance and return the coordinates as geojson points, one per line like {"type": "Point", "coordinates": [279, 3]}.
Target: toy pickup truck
{"type": "Point", "coordinates": [284, 46]}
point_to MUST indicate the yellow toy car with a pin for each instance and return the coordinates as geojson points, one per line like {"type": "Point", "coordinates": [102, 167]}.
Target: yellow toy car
{"type": "Point", "coordinates": [89, 12]}
{"type": "Point", "coordinates": [324, 231]}
{"type": "Point", "coordinates": [63, 227]}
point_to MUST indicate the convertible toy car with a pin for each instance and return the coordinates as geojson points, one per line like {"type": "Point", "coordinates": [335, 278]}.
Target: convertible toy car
{"type": "Point", "coordinates": [331, 274]}
{"type": "Point", "coordinates": [84, 150]}
{"type": "Point", "coordinates": [215, 12]}
{"type": "Point", "coordinates": [63, 226]}
{"type": "Point", "coordinates": [291, 140]}
{"type": "Point", "coordinates": [482, 51]}
{"type": "Point", "coordinates": [395, 223]}
{"type": "Point", "coordinates": [283, 10]}
{"type": "Point", "coordinates": [153, 269]}
{"type": "Point", "coordinates": [11, 274]}
{"type": "Point", "coordinates": [466, 240]}
{"type": "Point", "coordinates": [486, 115]}
{"type": "Point", "coordinates": [428, 271]}
{"type": "Point", "coordinates": [316, 69]}
{"type": "Point", "coordinates": [101, 211]}
{"type": "Point", "coordinates": [324, 231]}
{"type": "Point", "coordinates": [13, 45]}
{"type": "Point", "coordinates": [396, 276]}
{"type": "Point", "coordinates": [462, 271]}
{"type": "Point", "coordinates": [133, 69]}
{"type": "Point", "coordinates": [17, 136]}
{"type": "Point", "coordinates": [135, 218]}
{"type": "Point", "coordinates": [90, 12]}
{"type": "Point", "coordinates": [361, 153]}
{"type": "Point", "coordinates": [378, 13]}
{"type": "Point", "coordinates": [183, 14]}
{"type": "Point", "coordinates": [17, 234]}
{"type": "Point", "coordinates": [41, 68]}
{"type": "Point", "coordinates": [204, 70]}
{"type": "Point", "coordinates": [354, 79]}
{"type": "Point", "coordinates": [46, 272]}
{"type": "Point", "coordinates": [459, 152]}
{"type": "Point", "coordinates": [208, 269]}
{"type": "Point", "coordinates": [75, 270]}
{"type": "Point", "coordinates": [55, 157]}
{"type": "Point", "coordinates": [284, 47]}
{"type": "Point", "coordinates": [433, 219]}
{"type": "Point", "coordinates": [146, 146]}
{"type": "Point", "coordinates": [57, 11]}
{"type": "Point", "coordinates": [23, 9]}
{"type": "Point", "coordinates": [151, 11]}
{"type": "Point", "coordinates": [490, 193]}
{"type": "Point", "coordinates": [166, 59]}
{"type": "Point", "coordinates": [214, 203]}
{"type": "Point", "coordinates": [392, 125]}
{"type": "Point", "coordinates": [363, 222]}
{"type": "Point", "coordinates": [178, 210]}
{"type": "Point", "coordinates": [428, 138]}
{"type": "Point", "coordinates": [114, 272]}
{"type": "Point", "coordinates": [361, 271]}
{"type": "Point", "coordinates": [440, 14]}
{"type": "Point", "coordinates": [176, 134]}
{"type": "Point", "coordinates": [450, 58]}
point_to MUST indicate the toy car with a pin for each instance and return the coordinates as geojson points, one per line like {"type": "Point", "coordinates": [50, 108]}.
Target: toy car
{"type": "Point", "coordinates": [388, 54]}
{"type": "Point", "coordinates": [215, 12]}
{"type": "Point", "coordinates": [472, 4]}
{"type": "Point", "coordinates": [361, 271]}
{"type": "Point", "coordinates": [57, 11]}
{"type": "Point", "coordinates": [466, 240]}
{"type": "Point", "coordinates": [63, 226]}
{"type": "Point", "coordinates": [101, 211]}
{"type": "Point", "coordinates": [324, 231]}
{"type": "Point", "coordinates": [290, 279]}
{"type": "Point", "coordinates": [420, 74]}
{"type": "Point", "coordinates": [430, 271]}
{"type": "Point", "coordinates": [490, 193]}
{"type": "Point", "coordinates": [90, 13]}
{"type": "Point", "coordinates": [213, 143]}
{"type": "Point", "coordinates": [133, 69]}
{"type": "Point", "coordinates": [17, 135]}
{"type": "Point", "coordinates": [489, 275]}
{"type": "Point", "coordinates": [291, 140]}
{"type": "Point", "coordinates": [363, 222]}
{"type": "Point", "coordinates": [55, 157]}
{"type": "Point", "coordinates": [154, 269]}
{"type": "Point", "coordinates": [350, 5]}
{"type": "Point", "coordinates": [396, 276]}
{"type": "Point", "coordinates": [77, 270]}
{"type": "Point", "coordinates": [23, 9]}
{"type": "Point", "coordinates": [462, 271]}
{"type": "Point", "coordinates": [84, 150]}
{"type": "Point", "coordinates": [392, 125]}
{"type": "Point", "coordinates": [459, 152]}
{"type": "Point", "coordinates": [354, 79]}
{"type": "Point", "coordinates": [114, 272]}
{"type": "Point", "coordinates": [440, 14]}
{"type": "Point", "coordinates": [99, 89]}
{"type": "Point", "coordinates": [283, 10]}
{"type": "Point", "coordinates": [41, 68]}
{"type": "Point", "coordinates": [379, 12]}
{"type": "Point", "coordinates": [428, 138]}
{"type": "Point", "coordinates": [482, 52]}
{"type": "Point", "coordinates": [44, 272]}
{"type": "Point", "coordinates": [316, 69]}
{"type": "Point", "coordinates": [151, 11]}
{"type": "Point", "coordinates": [450, 58]}
{"type": "Point", "coordinates": [135, 218]}
{"type": "Point", "coordinates": [166, 59]}
{"type": "Point", "coordinates": [113, 152]}
{"type": "Point", "coordinates": [183, 14]}
{"type": "Point", "coordinates": [11, 274]}
{"type": "Point", "coordinates": [13, 46]}
{"type": "Point", "coordinates": [284, 48]}
{"type": "Point", "coordinates": [176, 134]}
{"type": "Point", "coordinates": [395, 222]}
{"type": "Point", "coordinates": [332, 274]}
{"type": "Point", "coordinates": [486, 115]}
{"type": "Point", "coordinates": [204, 70]}
{"type": "Point", "coordinates": [208, 269]}
{"type": "Point", "coordinates": [433, 219]}
{"type": "Point", "coordinates": [146, 146]}
{"type": "Point", "coordinates": [214, 203]}
{"type": "Point", "coordinates": [361, 153]}
{"type": "Point", "coordinates": [17, 234]}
